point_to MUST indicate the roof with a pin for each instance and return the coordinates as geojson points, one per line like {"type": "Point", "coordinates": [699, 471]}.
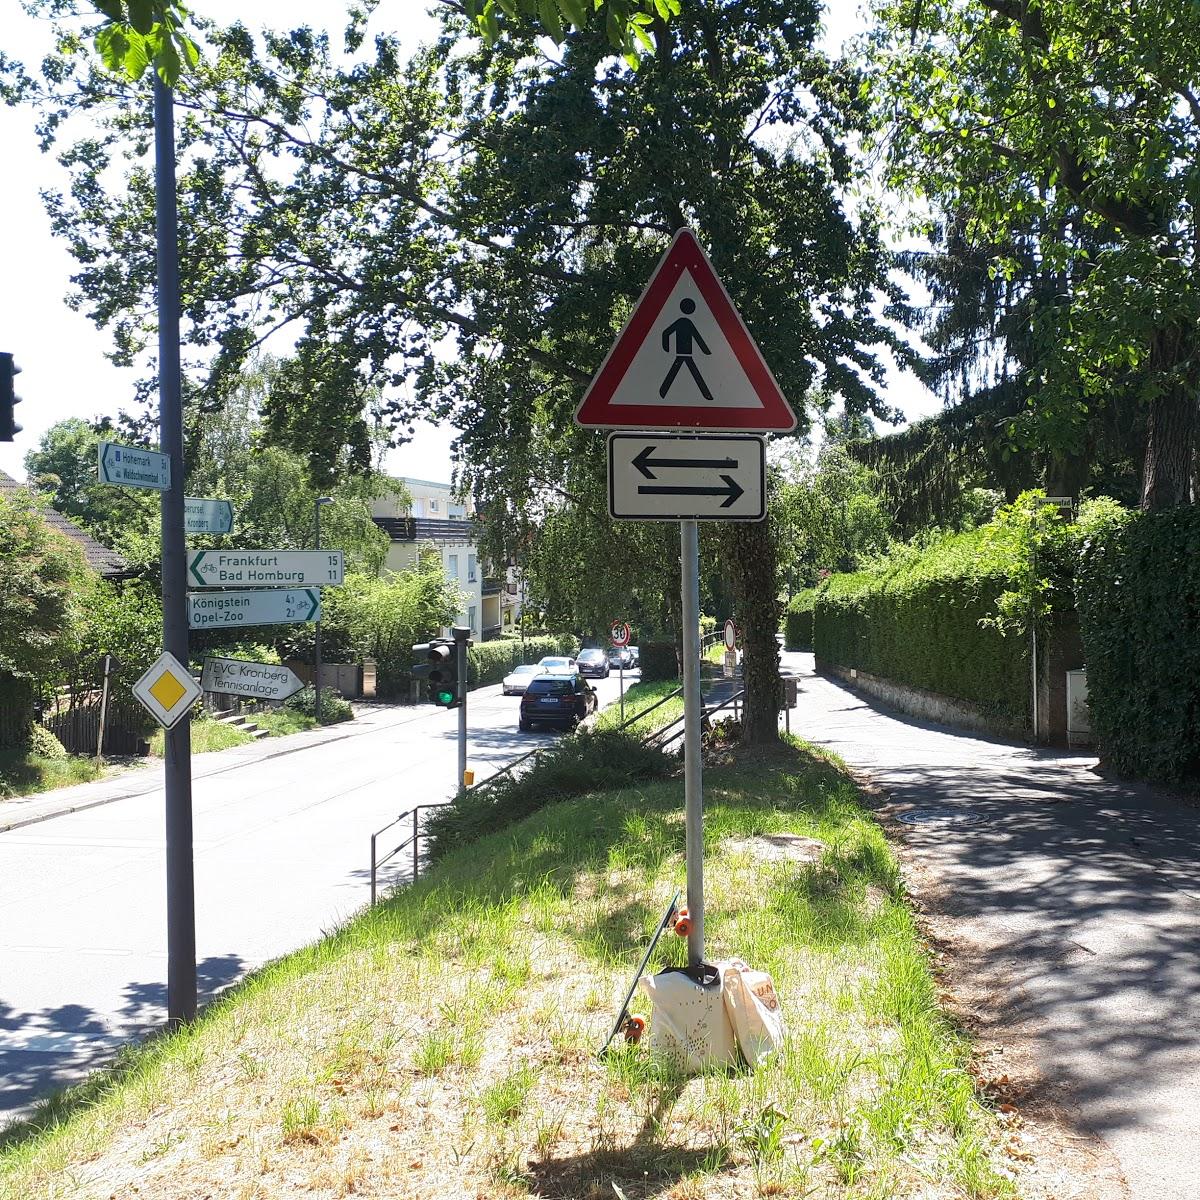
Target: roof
{"type": "Point", "coordinates": [100, 558]}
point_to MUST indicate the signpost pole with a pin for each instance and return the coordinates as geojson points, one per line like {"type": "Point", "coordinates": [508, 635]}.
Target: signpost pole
{"type": "Point", "coordinates": [461, 637]}
{"type": "Point", "coordinates": [181, 897]}
{"type": "Point", "coordinates": [621, 672]}
{"type": "Point", "coordinates": [689, 538]}
{"type": "Point", "coordinates": [103, 706]}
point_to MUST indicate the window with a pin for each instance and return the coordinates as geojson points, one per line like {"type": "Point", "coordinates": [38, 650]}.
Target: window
{"type": "Point", "coordinates": [457, 512]}
{"type": "Point", "coordinates": [433, 506]}
{"type": "Point", "coordinates": [471, 618]}
{"type": "Point", "coordinates": [452, 565]}
{"type": "Point", "coordinates": [472, 568]}
{"type": "Point", "coordinates": [418, 508]}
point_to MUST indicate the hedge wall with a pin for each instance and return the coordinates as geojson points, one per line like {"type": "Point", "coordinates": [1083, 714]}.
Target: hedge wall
{"type": "Point", "coordinates": [916, 617]}
{"type": "Point", "coordinates": [1138, 592]}
{"type": "Point", "coordinates": [658, 660]}
{"type": "Point", "coordinates": [489, 662]}
{"type": "Point", "coordinates": [798, 620]}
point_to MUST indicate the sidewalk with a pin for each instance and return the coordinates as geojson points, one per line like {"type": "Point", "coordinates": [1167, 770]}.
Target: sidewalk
{"type": "Point", "coordinates": [141, 779]}
{"type": "Point", "coordinates": [1073, 904]}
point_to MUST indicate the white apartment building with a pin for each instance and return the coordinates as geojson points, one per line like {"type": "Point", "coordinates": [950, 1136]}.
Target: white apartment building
{"type": "Point", "coordinates": [437, 519]}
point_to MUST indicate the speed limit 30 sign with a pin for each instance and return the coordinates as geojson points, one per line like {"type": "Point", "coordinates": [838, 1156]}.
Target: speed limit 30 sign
{"type": "Point", "coordinates": [620, 634]}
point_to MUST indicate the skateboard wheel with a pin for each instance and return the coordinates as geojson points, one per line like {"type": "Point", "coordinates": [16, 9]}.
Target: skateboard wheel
{"type": "Point", "coordinates": [683, 926]}
{"type": "Point", "coordinates": [634, 1028]}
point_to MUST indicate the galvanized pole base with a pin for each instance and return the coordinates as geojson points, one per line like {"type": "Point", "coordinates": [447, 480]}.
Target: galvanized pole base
{"type": "Point", "coordinates": [461, 638]}
{"type": "Point", "coordinates": [689, 537]}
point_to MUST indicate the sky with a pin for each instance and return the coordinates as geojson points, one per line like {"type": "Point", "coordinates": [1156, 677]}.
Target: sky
{"type": "Point", "coordinates": [62, 353]}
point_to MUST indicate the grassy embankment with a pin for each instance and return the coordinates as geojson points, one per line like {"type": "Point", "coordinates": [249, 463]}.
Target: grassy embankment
{"type": "Point", "coordinates": [639, 697]}
{"type": "Point", "coordinates": [209, 735]}
{"type": "Point", "coordinates": [23, 773]}
{"type": "Point", "coordinates": [443, 1045]}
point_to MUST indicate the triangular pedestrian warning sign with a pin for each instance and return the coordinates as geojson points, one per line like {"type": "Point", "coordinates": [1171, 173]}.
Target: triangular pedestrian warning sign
{"type": "Point", "coordinates": [685, 359]}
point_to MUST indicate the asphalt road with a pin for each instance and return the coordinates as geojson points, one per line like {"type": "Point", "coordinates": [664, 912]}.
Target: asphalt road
{"type": "Point", "coordinates": [281, 853]}
{"type": "Point", "coordinates": [1077, 896]}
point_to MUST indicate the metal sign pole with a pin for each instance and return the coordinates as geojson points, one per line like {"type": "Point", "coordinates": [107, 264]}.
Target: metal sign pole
{"type": "Point", "coordinates": [621, 670]}
{"type": "Point", "coordinates": [461, 637]}
{"type": "Point", "coordinates": [689, 538]}
{"type": "Point", "coordinates": [181, 891]}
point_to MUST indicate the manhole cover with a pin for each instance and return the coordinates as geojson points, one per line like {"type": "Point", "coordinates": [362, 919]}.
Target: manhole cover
{"type": "Point", "coordinates": [935, 814]}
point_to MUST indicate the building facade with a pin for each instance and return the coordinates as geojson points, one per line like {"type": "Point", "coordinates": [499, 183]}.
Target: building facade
{"type": "Point", "coordinates": [439, 520]}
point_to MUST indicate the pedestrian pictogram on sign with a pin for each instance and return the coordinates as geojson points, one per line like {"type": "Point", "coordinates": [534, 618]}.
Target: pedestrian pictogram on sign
{"type": "Point", "coordinates": [685, 359]}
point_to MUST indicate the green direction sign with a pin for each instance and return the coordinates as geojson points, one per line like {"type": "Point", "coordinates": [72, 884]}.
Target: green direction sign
{"type": "Point", "coordinates": [265, 568]}
{"type": "Point", "coordinates": [131, 466]}
{"type": "Point", "coordinates": [283, 606]}
{"type": "Point", "coordinates": [207, 516]}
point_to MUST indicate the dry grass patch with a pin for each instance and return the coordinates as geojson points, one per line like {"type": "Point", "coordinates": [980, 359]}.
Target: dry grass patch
{"type": "Point", "coordinates": [444, 1045]}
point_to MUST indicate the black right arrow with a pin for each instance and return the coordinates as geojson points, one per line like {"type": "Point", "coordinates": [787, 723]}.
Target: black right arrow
{"type": "Point", "coordinates": [731, 491]}
{"type": "Point", "coordinates": [647, 466]}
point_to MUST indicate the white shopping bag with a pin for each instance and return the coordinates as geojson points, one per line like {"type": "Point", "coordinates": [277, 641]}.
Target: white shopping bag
{"type": "Point", "coordinates": [690, 1025]}
{"type": "Point", "coordinates": [752, 1005]}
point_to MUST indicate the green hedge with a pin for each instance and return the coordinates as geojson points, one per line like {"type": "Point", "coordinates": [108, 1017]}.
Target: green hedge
{"type": "Point", "coordinates": [658, 660]}
{"type": "Point", "coordinates": [798, 621]}
{"type": "Point", "coordinates": [1138, 592]}
{"type": "Point", "coordinates": [920, 617]}
{"type": "Point", "coordinates": [489, 662]}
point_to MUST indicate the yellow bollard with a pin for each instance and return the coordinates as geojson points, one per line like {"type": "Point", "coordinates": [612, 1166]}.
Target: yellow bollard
{"type": "Point", "coordinates": [468, 778]}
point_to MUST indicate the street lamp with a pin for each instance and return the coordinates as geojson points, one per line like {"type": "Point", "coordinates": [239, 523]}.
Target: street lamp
{"type": "Point", "coordinates": [317, 537]}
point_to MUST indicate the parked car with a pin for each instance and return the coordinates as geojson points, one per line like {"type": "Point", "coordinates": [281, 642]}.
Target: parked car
{"type": "Point", "coordinates": [620, 658]}
{"type": "Point", "coordinates": [593, 662]}
{"type": "Point", "coordinates": [517, 680]}
{"type": "Point", "coordinates": [553, 663]}
{"type": "Point", "coordinates": [637, 658]}
{"type": "Point", "coordinates": [560, 699]}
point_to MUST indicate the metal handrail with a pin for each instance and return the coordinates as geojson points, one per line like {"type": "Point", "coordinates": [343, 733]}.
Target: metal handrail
{"type": "Point", "coordinates": [413, 839]}
{"type": "Point", "coordinates": [708, 712]}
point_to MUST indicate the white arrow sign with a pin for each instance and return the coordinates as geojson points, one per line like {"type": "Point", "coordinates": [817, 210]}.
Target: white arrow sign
{"type": "Point", "coordinates": [207, 610]}
{"type": "Point", "coordinates": [265, 568]}
{"type": "Point", "coordinates": [207, 516]}
{"type": "Point", "coordinates": [130, 466]}
{"type": "Point", "coordinates": [262, 681]}
{"type": "Point", "coordinates": [686, 477]}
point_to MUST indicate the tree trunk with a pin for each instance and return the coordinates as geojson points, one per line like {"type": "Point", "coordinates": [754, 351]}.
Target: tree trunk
{"type": "Point", "coordinates": [1171, 427]}
{"type": "Point", "coordinates": [754, 578]}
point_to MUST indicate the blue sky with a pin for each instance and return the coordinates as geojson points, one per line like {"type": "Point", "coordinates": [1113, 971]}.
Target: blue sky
{"type": "Point", "coordinates": [65, 373]}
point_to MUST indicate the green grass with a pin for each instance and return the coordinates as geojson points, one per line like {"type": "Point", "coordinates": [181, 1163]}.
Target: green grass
{"type": "Point", "coordinates": [207, 736]}
{"type": "Point", "coordinates": [23, 774]}
{"type": "Point", "coordinates": [280, 722]}
{"type": "Point", "coordinates": [456, 1026]}
{"type": "Point", "coordinates": [640, 697]}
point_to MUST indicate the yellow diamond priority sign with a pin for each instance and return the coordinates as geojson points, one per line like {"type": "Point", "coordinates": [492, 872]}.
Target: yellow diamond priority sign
{"type": "Point", "coordinates": [167, 690]}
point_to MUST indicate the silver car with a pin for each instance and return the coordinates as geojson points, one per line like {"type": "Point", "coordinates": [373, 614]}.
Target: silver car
{"type": "Point", "coordinates": [517, 680]}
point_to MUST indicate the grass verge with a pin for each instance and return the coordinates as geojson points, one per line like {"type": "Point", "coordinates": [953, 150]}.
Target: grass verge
{"type": "Point", "coordinates": [282, 721]}
{"type": "Point", "coordinates": [443, 1045]}
{"type": "Point", "coordinates": [23, 774]}
{"type": "Point", "coordinates": [638, 699]}
{"type": "Point", "coordinates": [207, 736]}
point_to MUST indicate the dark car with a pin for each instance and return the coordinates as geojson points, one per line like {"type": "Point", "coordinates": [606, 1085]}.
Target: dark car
{"type": "Point", "coordinates": [559, 699]}
{"type": "Point", "coordinates": [620, 658]}
{"type": "Point", "coordinates": [593, 662]}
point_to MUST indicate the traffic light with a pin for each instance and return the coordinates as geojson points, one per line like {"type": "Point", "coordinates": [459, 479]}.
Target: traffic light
{"type": "Point", "coordinates": [437, 663]}
{"type": "Point", "coordinates": [8, 397]}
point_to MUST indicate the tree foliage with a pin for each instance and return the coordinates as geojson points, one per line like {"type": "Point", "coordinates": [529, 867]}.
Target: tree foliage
{"type": "Point", "coordinates": [1058, 142]}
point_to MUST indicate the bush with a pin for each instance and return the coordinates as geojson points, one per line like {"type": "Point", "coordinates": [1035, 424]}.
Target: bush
{"type": "Point", "coordinates": [928, 618]}
{"type": "Point", "coordinates": [44, 744]}
{"type": "Point", "coordinates": [489, 662]}
{"type": "Point", "coordinates": [798, 622]}
{"type": "Point", "coordinates": [333, 707]}
{"type": "Point", "coordinates": [658, 660]}
{"type": "Point", "coordinates": [592, 760]}
{"type": "Point", "coordinates": [1138, 593]}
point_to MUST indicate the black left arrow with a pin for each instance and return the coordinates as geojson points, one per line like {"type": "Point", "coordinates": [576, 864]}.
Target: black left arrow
{"type": "Point", "coordinates": [648, 465]}
{"type": "Point", "coordinates": [732, 491]}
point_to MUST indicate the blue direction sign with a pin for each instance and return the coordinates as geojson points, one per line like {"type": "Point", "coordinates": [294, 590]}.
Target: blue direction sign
{"type": "Point", "coordinates": [207, 516]}
{"type": "Point", "coordinates": [131, 466]}
{"type": "Point", "coordinates": [281, 606]}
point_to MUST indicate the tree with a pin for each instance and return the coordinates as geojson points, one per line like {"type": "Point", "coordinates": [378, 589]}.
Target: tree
{"type": "Point", "coordinates": [1057, 138]}
{"type": "Point", "coordinates": [327, 199]}
{"type": "Point", "coordinates": [40, 572]}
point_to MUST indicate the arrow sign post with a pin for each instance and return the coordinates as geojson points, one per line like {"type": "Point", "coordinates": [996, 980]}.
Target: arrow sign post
{"type": "Point", "coordinates": [260, 681]}
{"type": "Point", "coordinates": [207, 516]}
{"type": "Point", "coordinates": [678, 477]}
{"type": "Point", "coordinates": [286, 606]}
{"type": "Point", "coordinates": [265, 568]}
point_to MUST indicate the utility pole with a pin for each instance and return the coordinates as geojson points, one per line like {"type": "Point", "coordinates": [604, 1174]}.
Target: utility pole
{"type": "Point", "coordinates": [181, 891]}
{"type": "Point", "coordinates": [320, 501]}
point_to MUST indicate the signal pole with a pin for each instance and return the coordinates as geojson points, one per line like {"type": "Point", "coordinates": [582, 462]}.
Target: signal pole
{"type": "Point", "coordinates": [461, 641]}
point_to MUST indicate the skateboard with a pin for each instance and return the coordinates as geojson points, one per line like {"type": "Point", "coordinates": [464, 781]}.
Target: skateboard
{"type": "Point", "coordinates": [632, 1027]}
